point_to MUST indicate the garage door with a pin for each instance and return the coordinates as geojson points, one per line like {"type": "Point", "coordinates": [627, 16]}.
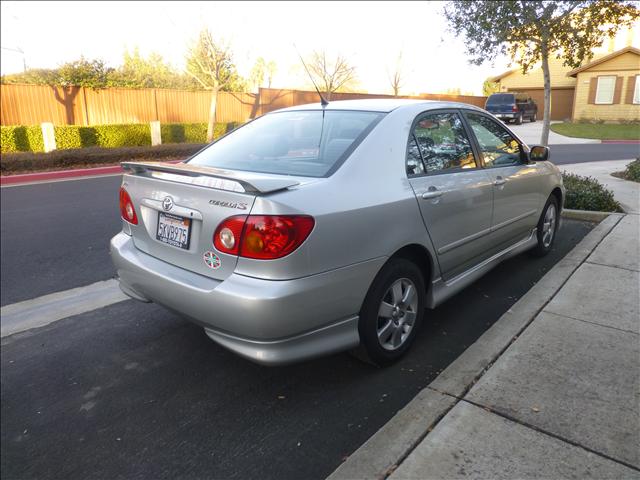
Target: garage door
{"type": "Point", "coordinates": [561, 101]}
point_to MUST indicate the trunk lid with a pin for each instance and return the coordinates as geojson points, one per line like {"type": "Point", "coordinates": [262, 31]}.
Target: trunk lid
{"type": "Point", "coordinates": [194, 198]}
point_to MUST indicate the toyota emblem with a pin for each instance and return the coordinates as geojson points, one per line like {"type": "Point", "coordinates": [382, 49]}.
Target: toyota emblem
{"type": "Point", "coordinates": [167, 203]}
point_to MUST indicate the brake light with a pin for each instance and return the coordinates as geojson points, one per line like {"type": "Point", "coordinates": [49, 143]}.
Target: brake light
{"type": "Point", "coordinates": [263, 237]}
{"type": "Point", "coordinates": [514, 108]}
{"type": "Point", "coordinates": [228, 234]}
{"type": "Point", "coordinates": [127, 210]}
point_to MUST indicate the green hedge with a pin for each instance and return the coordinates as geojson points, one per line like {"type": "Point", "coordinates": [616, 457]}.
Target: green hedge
{"type": "Point", "coordinates": [586, 193]}
{"type": "Point", "coordinates": [29, 138]}
{"type": "Point", "coordinates": [21, 139]}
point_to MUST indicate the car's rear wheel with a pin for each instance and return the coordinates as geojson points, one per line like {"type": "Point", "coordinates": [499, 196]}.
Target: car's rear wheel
{"type": "Point", "coordinates": [534, 117]}
{"type": "Point", "coordinates": [519, 120]}
{"type": "Point", "coordinates": [547, 227]}
{"type": "Point", "coordinates": [392, 312]}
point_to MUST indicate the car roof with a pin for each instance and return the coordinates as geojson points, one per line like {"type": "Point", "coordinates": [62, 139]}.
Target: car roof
{"type": "Point", "coordinates": [380, 105]}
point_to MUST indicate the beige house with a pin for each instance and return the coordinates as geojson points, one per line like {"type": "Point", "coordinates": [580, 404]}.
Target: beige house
{"type": "Point", "coordinates": [608, 88]}
{"type": "Point", "coordinates": [605, 88]}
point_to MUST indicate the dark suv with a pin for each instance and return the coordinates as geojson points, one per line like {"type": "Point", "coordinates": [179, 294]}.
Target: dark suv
{"type": "Point", "coordinates": [512, 107]}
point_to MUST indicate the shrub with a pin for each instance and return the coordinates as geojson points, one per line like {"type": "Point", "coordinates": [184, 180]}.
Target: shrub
{"type": "Point", "coordinates": [586, 193]}
{"type": "Point", "coordinates": [632, 172]}
{"type": "Point", "coordinates": [29, 138]}
{"type": "Point", "coordinates": [126, 135]}
{"type": "Point", "coordinates": [21, 139]}
{"type": "Point", "coordinates": [80, 157]}
{"type": "Point", "coordinates": [72, 136]}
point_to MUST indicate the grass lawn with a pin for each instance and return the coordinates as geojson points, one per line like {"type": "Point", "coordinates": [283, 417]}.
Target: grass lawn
{"type": "Point", "coordinates": [600, 131]}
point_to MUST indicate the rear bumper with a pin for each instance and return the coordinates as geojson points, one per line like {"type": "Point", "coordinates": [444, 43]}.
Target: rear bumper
{"type": "Point", "coordinates": [270, 322]}
{"type": "Point", "coordinates": [506, 115]}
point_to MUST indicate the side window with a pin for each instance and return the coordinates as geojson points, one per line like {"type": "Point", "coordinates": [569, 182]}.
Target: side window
{"type": "Point", "coordinates": [441, 142]}
{"type": "Point", "coordinates": [498, 147]}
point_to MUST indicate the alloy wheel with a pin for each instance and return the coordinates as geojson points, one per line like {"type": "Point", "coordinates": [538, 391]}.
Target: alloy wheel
{"type": "Point", "coordinates": [549, 225]}
{"type": "Point", "coordinates": [397, 314]}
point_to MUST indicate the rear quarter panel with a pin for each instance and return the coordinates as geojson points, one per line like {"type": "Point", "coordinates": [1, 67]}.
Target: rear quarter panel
{"type": "Point", "coordinates": [366, 210]}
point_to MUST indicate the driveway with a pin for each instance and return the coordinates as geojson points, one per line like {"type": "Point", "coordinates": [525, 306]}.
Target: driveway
{"type": "Point", "coordinates": [531, 133]}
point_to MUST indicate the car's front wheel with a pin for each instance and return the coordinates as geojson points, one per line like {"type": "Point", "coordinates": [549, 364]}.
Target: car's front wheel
{"type": "Point", "coordinates": [392, 312]}
{"type": "Point", "coordinates": [547, 227]}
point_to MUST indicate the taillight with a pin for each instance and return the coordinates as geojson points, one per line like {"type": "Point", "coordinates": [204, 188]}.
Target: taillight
{"type": "Point", "coordinates": [514, 108]}
{"type": "Point", "coordinates": [127, 210]}
{"type": "Point", "coordinates": [263, 237]}
{"type": "Point", "coordinates": [228, 234]}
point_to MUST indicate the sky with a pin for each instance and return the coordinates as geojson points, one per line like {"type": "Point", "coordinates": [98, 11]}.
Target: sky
{"type": "Point", "coordinates": [369, 34]}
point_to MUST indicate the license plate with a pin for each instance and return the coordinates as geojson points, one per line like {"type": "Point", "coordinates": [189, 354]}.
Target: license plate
{"type": "Point", "coordinates": [174, 230]}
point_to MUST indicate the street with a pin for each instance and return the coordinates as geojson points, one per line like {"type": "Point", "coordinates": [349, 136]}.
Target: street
{"type": "Point", "coordinates": [132, 390]}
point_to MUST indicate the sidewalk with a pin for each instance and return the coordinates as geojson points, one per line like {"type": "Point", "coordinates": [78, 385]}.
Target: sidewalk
{"type": "Point", "coordinates": [626, 192]}
{"type": "Point", "coordinates": [530, 133]}
{"type": "Point", "coordinates": [552, 390]}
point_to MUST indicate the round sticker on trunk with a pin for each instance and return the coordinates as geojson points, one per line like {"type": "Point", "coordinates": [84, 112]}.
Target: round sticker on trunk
{"type": "Point", "coordinates": [212, 260]}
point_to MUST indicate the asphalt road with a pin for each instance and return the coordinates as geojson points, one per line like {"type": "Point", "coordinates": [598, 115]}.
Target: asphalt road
{"type": "Point", "coordinates": [134, 391]}
{"type": "Point", "coordinates": [55, 236]}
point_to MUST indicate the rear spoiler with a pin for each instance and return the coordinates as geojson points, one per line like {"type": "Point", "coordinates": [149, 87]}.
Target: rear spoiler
{"type": "Point", "coordinates": [249, 182]}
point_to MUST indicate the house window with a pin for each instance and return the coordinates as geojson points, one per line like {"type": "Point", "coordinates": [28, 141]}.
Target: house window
{"type": "Point", "coordinates": [636, 90]}
{"type": "Point", "coordinates": [606, 87]}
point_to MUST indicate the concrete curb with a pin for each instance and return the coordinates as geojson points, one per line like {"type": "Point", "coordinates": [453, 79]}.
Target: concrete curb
{"type": "Point", "coordinates": [388, 447]}
{"type": "Point", "coordinates": [42, 311]}
{"type": "Point", "coordinates": [586, 215]}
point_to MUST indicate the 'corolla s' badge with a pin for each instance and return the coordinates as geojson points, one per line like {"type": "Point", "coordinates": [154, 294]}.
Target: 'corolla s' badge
{"type": "Point", "coordinates": [167, 203]}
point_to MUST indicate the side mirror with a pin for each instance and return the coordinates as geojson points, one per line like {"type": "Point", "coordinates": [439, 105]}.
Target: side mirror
{"type": "Point", "coordinates": [539, 153]}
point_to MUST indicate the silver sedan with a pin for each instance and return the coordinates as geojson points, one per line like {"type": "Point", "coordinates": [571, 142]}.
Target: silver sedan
{"type": "Point", "coordinates": [315, 230]}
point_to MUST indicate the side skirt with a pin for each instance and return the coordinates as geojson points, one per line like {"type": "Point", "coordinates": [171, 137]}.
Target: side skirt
{"type": "Point", "coordinates": [442, 290]}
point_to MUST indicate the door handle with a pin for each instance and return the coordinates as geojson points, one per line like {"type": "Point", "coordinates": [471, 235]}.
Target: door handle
{"type": "Point", "coordinates": [499, 181]}
{"type": "Point", "coordinates": [431, 194]}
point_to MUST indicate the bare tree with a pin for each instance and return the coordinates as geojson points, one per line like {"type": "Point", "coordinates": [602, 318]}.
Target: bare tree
{"type": "Point", "coordinates": [396, 77]}
{"type": "Point", "coordinates": [211, 64]}
{"type": "Point", "coordinates": [331, 76]}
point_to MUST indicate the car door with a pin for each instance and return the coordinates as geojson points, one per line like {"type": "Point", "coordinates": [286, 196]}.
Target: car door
{"type": "Point", "coordinates": [455, 195]}
{"type": "Point", "coordinates": [518, 184]}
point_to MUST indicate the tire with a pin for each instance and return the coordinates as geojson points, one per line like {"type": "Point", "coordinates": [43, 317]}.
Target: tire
{"type": "Point", "coordinates": [386, 337]}
{"type": "Point", "coordinates": [547, 228]}
{"type": "Point", "coordinates": [519, 120]}
{"type": "Point", "coordinates": [534, 117]}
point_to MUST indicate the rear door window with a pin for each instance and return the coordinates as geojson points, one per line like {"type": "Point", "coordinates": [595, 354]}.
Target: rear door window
{"type": "Point", "coordinates": [441, 142]}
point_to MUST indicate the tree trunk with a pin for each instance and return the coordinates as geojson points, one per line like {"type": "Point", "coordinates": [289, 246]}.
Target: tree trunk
{"type": "Point", "coordinates": [546, 120]}
{"type": "Point", "coordinates": [212, 114]}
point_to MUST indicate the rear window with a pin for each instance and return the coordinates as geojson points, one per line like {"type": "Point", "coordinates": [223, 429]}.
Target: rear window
{"type": "Point", "coordinates": [500, 99]}
{"type": "Point", "coordinates": [306, 143]}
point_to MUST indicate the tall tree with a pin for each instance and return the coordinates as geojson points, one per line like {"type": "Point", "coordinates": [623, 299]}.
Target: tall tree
{"type": "Point", "coordinates": [152, 71]}
{"type": "Point", "coordinates": [331, 75]}
{"type": "Point", "coordinates": [271, 71]}
{"type": "Point", "coordinates": [489, 87]}
{"type": "Point", "coordinates": [396, 76]}
{"type": "Point", "coordinates": [210, 63]}
{"type": "Point", "coordinates": [531, 31]}
{"type": "Point", "coordinates": [256, 77]}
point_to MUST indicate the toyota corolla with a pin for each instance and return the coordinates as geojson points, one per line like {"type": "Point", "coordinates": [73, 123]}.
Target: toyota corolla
{"type": "Point", "coordinates": [325, 228]}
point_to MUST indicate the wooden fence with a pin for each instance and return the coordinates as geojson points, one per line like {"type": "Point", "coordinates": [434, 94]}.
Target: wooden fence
{"type": "Point", "coordinates": [34, 104]}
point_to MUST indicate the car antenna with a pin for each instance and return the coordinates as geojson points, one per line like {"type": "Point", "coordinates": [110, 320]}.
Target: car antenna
{"type": "Point", "coordinates": [323, 101]}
